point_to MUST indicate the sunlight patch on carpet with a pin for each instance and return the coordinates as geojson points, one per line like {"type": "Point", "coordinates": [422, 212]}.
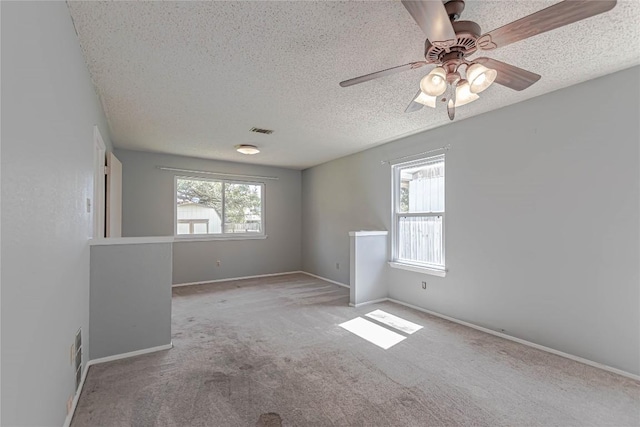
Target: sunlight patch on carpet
{"type": "Point", "coordinates": [394, 321]}
{"type": "Point", "coordinates": [373, 333]}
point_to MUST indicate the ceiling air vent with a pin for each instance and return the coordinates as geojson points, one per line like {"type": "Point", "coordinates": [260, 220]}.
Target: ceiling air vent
{"type": "Point", "coordinates": [259, 130]}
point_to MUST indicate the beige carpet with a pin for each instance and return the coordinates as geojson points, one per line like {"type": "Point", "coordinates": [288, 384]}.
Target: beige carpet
{"type": "Point", "coordinates": [269, 352]}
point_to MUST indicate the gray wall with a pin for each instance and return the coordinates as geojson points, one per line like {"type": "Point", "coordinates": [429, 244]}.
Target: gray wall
{"type": "Point", "coordinates": [148, 208]}
{"type": "Point", "coordinates": [130, 304]}
{"type": "Point", "coordinates": [542, 221]}
{"type": "Point", "coordinates": [347, 194]}
{"type": "Point", "coordinates": [49, 107]}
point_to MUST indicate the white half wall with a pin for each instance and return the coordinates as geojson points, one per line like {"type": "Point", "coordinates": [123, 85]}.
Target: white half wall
{"type": "Point", "coordinates": [542, 219]}
{"type": "Point", "coordinates": [368, 256]}
{"type": "Point", "coordinates": [130, 302]}
{"type": "Point", "coordinates": [148, 208]}
{"type": "Point", "coordinates": [49, 108]}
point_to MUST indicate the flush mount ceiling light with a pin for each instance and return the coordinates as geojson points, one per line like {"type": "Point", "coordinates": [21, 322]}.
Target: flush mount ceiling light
{"type": "Point", "coordinates": [450, 41]}
{"type": "Point", "coordinates": [247, 149]}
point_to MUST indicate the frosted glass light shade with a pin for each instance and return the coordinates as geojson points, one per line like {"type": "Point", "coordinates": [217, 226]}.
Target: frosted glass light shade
{"type": "Point", "coordinates": [434, 83]}
{"type": "Point", "coordinates": [424, 99]}
{"type": "Point", "coordinates": [464, 94]}
{"type": "Point", "coordinates": [480, 77]}
{"type": "Point", "coordinates": [247, 149]}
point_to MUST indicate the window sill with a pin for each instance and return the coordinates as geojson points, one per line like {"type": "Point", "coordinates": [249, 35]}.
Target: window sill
{"type": "Point", "coordinates": [102, 241]}
{"type": "Point", "coordinates": [189, 238]}
{"type": "Point", "coordinates": [417, 269]}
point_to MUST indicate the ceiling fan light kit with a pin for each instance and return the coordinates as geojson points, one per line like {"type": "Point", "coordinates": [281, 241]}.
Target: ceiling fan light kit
{"type": "Point", "coordinates": [450, 41]}
{"type": "Point", "coordinates": [434, 83]}
{"type": "Point", "coordinates": [424, 99]}
{"type": "Point", "coordinates": [480, 77]}
{"type": "Point", "coordinates": [464, 94]}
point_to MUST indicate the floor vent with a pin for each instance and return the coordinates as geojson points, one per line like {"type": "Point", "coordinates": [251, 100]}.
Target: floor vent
{"type": "Point", "coordinates": [259, 130]}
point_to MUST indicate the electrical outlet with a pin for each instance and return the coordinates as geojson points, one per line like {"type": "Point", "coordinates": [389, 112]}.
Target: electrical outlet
{"type": "Point", "coordinates": [424, 285]}
{"type": "Point", "coordinates": [337, 266]}
{"type": "Point", "coordinates": [218, 263]}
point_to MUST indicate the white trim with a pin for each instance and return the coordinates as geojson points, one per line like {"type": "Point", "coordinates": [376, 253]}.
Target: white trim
{"type": "Point", "coordinates": [197, 172]}
{"type": "Point", "coordinates": [510, 338]}
{"type": "Point", "coordinates": [98, 198]}
{"type": "Point", "coordinates": [375, 301]}
{"type": "Point", "coordinates": [211, 238]}
{"type": "Point", "coordinates": [417, 269]}
{"type": "Point", "coordinates": [76, 397]}
{"type": "Point", "coordinates": [367, 233]}
{"type": "Point", "coordinates": [130, 354]}
{"type": "Point", "coordinates": [221, 235]}
{"type": "Point", "coordinates": [410, 156]}
{"type": "Point", "coordinates": [130, 240]}
{"type": "Point", "coordinates": [521, 341]}
{"type": "Point", "coordinates": [395, 204]}
{"type": "Point", "coordinates": [325, 279]}
{"type": "Point", "coordinates": [204, 282]}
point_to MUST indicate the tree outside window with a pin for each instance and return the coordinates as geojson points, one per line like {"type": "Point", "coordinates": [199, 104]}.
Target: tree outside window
{"type": "Point", "coordinates": [218, 207]}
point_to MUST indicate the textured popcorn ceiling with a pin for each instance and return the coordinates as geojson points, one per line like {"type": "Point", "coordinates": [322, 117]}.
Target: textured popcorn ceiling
{"type": "Point", "coordinates": [192, 78]}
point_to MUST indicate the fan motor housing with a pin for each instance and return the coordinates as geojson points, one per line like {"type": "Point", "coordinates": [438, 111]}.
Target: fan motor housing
{"type": "Point", "coordinates": [467, 32]}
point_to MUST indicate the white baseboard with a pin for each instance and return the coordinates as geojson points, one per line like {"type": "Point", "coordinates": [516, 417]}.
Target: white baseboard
{"type": "Point", "coordinates": [325, 279]}
{"type": "Point", "coordinates": [76, 397]}
{"type": "Point", "coordinates": [90, 363]}
{"type": "Point", "coordinates": [204, 282]}
{"type": "Point", "coordinates": [361, 304]}
{"type": "Point", "coordinates": [129, 354]}
{"type": "Point", "coordinates": [521, 341]}
{"type": "Point", "coordinates": [490, 331]}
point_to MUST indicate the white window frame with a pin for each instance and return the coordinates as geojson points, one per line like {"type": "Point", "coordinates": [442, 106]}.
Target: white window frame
{"type": "Point", "coordinates": [223, 235]}
{"type": "Point", "coordinates": [433, 269]}
{"type": "Point", "coordinates": [99, 162]}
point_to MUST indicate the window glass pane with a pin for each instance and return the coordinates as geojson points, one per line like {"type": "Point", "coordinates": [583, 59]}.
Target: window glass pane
{"type": "Point", "coordinates": [243, 208]}
{"type": "Point", "coordinates": [200, 228]}
{"type": "Point", "coordinates": [199, 206]}
{"type": "Point", "coordinates": [422, 188]}
{"type": "Point", "coordinates": [420, 239]}
{"type": "Point", "coordinates": [183, 228]}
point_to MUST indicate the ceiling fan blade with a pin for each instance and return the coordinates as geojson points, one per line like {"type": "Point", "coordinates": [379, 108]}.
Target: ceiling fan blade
{"type": "Point", "coordinates": [558, 15]}
{"type": "Point", "coordinates": [414, 106]}
{"type": "Point", "coordinates": [383, 73]}
{"type": "Point", "coordinates": [509, 75]}
{"type": "Point", "coordinates": [433, 18]}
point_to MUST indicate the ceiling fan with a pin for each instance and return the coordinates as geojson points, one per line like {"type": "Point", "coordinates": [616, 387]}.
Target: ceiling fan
{"type": "Point", "coordinates": [449, 43]}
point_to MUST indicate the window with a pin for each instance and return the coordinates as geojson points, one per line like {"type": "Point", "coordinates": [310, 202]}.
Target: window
{"type": "Point", "coordinates": [218, 207]}
{"type": "Point", "coordinates": [418, 213]}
